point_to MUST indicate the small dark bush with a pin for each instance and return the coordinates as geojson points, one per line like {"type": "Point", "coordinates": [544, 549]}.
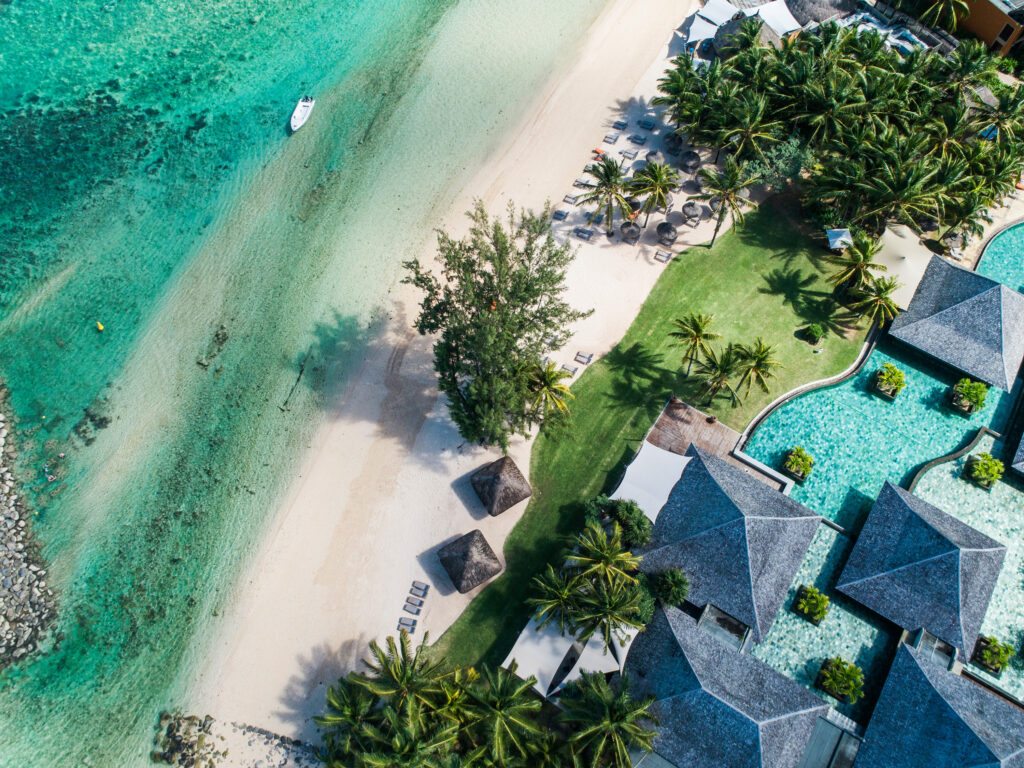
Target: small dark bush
{"type": "Point", "coordinates": [815, 333]}
{"type": "Point", "coordinates": [636, 527]}
{"type": "Point", "coordinates": [648, 603]}
{"type": "Point", "coordinates": [672, 586]}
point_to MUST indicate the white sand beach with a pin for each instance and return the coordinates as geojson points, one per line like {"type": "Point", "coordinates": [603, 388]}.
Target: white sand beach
{"type": "Point", "coordinates": [386, 481]}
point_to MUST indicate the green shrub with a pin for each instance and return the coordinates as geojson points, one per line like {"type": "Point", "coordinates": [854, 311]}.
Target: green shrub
{"type": "Point", "coordinates": [813, 604]}
{"type": "Point", "coordinates": [648, 601]}
{"type": "Point", "coordinates": [799, 461]}
{"type": "Point", "coordinates": [672, 586]}
{"type": "Point", "coordinates": [1005, 65]}
{"type": "Point", "coordinates": [891, 378]}
{"type": "Point", "coordinates": [636, 527]}
{"type": "Point", "coordinates": [971, 392]}
{"type": "Point", "coordinates": [842, 679]}
{"type": "Point", "coordinates": [996, 654]}
{"type": "Point", "coordinates": [815, 333]}
{"type": "Point", "coordinates": [985, 468]}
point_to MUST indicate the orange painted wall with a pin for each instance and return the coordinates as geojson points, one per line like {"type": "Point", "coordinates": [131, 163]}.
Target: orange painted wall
{"type": "Point", "coordinates": [986, 21]}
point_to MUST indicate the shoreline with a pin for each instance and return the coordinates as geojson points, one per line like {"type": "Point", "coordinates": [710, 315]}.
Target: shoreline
{"type": "Point", "coordinates": [386, 478]}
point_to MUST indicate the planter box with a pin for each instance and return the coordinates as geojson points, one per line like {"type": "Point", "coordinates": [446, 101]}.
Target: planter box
{"type": "Point", "coordinates": [980, 646]}
{"type": "Point", "coordinates": [962, 407]}
{"type": "Point", "coordinates": [819, 682]}
{"type": "Point", "coordinates": [966, 475]}
{"type": "Point", "coordinates": [882, 391]}
{"type": "Point", "coordinates": [798, 476]}
{"type": "Point", "coordinates": [799, 596]}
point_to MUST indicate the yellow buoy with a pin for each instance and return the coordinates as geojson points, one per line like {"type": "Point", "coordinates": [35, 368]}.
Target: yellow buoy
{"type": "Point", "coordinates": [99, 326]}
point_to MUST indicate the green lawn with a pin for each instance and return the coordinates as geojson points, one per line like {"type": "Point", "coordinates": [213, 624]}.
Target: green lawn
{"type": "Point", "coordinates": [765, 280]}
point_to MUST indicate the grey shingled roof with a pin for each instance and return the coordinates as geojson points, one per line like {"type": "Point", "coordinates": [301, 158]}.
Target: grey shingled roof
{"type": "Point", "coordinates": [928, 717]}
{"type": "Point", "coordinates": [500, 485]}
{"type": "Point", "coordinates": [469, 561]}
{"type": "Point", "coordinates": [716, 706]}
{"type": "Point", "coordinates": [1018, 459]}
{"type": "Point", "coordinates": [818, 11]}
{"type": "Point", "coordinates": [739, 541]}
{"type": "Point", "coordinates": [966, 320]}
{"type": "Point", "coordinates": [922, 568]}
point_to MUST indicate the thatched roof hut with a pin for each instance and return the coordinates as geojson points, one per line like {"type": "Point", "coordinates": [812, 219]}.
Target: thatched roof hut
{"type": "Point", "coordinates": [500, 485]}
{"type": "Point", "coordinates": [469, 561]}
{"type": "Point", "coordinates": [819, 11]}
{"type": "Point", "coordinates": [630, 230]}
{"type": "Point", "coordinates": [725, 46]}
{"type": "Point", "coordinates": [667, 233]}
{"type": "Point", "coordinates": [654, 156]}
{"type": "Point", "coordinates": [691, 210]}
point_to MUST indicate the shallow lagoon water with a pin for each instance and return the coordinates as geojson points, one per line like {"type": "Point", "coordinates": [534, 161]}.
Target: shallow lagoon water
{"type": "Point", "coordinates": [147, 182]}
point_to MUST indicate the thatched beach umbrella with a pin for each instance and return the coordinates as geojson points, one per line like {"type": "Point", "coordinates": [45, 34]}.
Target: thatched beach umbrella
{"type": "Point", "coordinates": [691, 210]}
{"type": "Point", "coordinates": [654, 156]}
{"type": "Point", "coordinates": [500, 485]}
{"type": "Point", "coordinates": [469, 561]}
{"type": "Point", "coordinates": [630, 230]}
{"type": "Point", "coordinates": [690, 156]}
{"type": "Point", "coordinates": [667, 233]}
{"type": "Point", "coordinates": [673, 142]}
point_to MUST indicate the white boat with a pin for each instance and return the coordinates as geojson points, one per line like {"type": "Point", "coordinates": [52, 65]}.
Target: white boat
{"type": "Point", "coordinates": [302, 112]}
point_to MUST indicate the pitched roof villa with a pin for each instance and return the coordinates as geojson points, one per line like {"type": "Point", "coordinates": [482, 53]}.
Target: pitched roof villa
{"type": "Point", "coordinates": [967, 321]}
{"type": "Point", "coordinates": [717, 706]}
{"type": "Point", "coordinates": [923, 569]}
{"type": "Point", "coordinates": [744, 539]}
{"type": "Point", "coordinates": [928, 717]}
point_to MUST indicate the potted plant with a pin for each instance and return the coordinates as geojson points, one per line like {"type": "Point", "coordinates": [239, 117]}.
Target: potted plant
{"type": "Point", "coordinates": [814, 333]}
{"type": "Point", "coordinates": [968, 396]}
{"type": "Point", "coordinates": [811, 604]}
{"type": "Point", "coordinates": [984, 470]}
{"type": "Point", "coordinates": [889, 381]}
{"type": "Point", "coordinates": [992, 655]}
{"type": "Point", "coordinates": [671, 586]}
{"type": "Point", "coordinates": [798, 464]}
{"type": "Point", "coordinates": [841, 679]}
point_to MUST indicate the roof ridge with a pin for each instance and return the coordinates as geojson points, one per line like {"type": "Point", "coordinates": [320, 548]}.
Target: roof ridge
{"type": "Point", "coordinates": [954, 551]}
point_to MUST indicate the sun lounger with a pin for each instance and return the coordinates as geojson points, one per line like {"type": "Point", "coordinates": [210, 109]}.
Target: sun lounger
{"type": "Point", "coordinates": [611, 138]}
{"type": "Point", "coordinates": [584, 183]}
{"type": "Point", "coordinates": [418, 592]}
{"type": "Point", "coordinates": [663, 256]}
{"type": "Point", "coordinates": [404, 628]}
{"type": "Point", "coordinates": [583, 233]}
{"type": "Point", "coordinates": [629, 154]}
{"type": "Point", "coordinates": [571, 369]}
{"type": "Point", "coordinates": [637, 139]}
{"type": "Point", "coordinates": [594, 218]}
{"type": "Point", "coordinates": [560, 215]}
{"type": "Point", "coordinates": [647, 124]}
{"type": "Point", "coordinates": [571, 199]}
{"type": "Point", "coordinates": [421, 585]}
{"type": "Point", "coordinates": [404, 622]}
{"type": "Point", "coordinates": [584, 357]}
{"type": "Point", "coordinates": [411, 609]}
{"type": "Point", "coordinates": [620, 125]}
{"type": "Point", "coordinates": [414, 601]}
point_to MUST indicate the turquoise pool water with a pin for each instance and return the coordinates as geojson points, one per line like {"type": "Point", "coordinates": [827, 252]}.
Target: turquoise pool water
{"type": "Point", "coordinates": [859, 440]}
{"type": "Point", "coordinates": [797, 648]}
{"type": "Point", "coordinates": [998, 513]}
{"type": "Point", "coordinates": [1003, 259]}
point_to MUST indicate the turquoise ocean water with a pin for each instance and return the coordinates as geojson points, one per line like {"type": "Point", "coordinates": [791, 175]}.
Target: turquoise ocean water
{"type": "Point", "coordinates": [147, 182]}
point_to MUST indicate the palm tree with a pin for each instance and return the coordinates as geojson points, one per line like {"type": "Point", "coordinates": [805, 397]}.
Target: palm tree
{"type": "Point", "coordinates": [549, 390]}
{"type": "Point", "coordinates": [407, 740]}
{"type": "Point", "coordinates": [606, 722]}
{"type": "Point", "coordinates": [727, 185]}
{"type": "Point", "coordinates": [946, 14]}
{"type": "Point", "coordinates": [692, 332]}
{"type": "Point", "coordinates": [900, 190]}
{"type": "Point", "coordinates": [749, 130]}
{"type": "Point", "coordinates": [610, 608]}
{"type": "Point", "coordinates": [400, 675]}
{"type": "Point", "coordinates": [876, 303]}
{"type": "Point", "coordinates": [717, 371]}
{"type": "Point", "coordinates": [350, 708]}
{"type": "Point", "coordinates": [608, 191]}
{"type": "Point", "coordinates": [602, 554]}
{"type": "Point", "coordinates": [856, 263]}
{"type": "Point", "coordinates": [654, 182]}
{"type": "Point", "coordinates": [556, 597]}
{"type": "Point", "coordinates": [504, 713]}
{"type": "Point", "coordinates": [970, 65]}
{"type": "Point", "coordinates": [757, 363]}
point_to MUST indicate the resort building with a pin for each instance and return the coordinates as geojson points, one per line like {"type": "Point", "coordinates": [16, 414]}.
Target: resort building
{"type": "Point", "coordinates": [923, 569]}
{"type": "Point", "coordinates": [994, 22]}
{"type": "Point", "coordinates": [715, 705]}
{"type": "Point", "coordinates": [928, 717]}
{"type": "Point", "coordinates": [970, 322]}
{"type": "Point", "coordinates": [742, 540]}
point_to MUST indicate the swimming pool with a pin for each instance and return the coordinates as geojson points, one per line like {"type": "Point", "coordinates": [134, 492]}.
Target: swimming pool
{"type": "Point", "coordinates": [859, 440]}
{"type": "Point", "coordinates": [1003, 259]}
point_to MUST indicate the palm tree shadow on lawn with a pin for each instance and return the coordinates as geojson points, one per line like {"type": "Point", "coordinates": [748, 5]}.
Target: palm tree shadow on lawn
{"type": "Point", "coordinates": [778, 226]}
{"type": "Point", "coordinates": [643, 380]}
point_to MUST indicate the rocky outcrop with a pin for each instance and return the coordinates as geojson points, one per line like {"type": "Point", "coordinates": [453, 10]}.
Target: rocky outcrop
{"type": "Point", "coordinates": [26, 604]}
{"type": "Point", "coordinates": [189, 741]}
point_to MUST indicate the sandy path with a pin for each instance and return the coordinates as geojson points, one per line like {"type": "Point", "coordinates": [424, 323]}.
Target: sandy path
{"type": "Point", "coordinates": [386, 481]}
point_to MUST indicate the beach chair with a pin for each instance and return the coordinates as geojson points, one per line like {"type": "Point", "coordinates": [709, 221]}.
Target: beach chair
{"type": "Point", "coordinates": [663, 256]}
{"type": "Point", "coordinates": [583, 233]}
{"type": "Point", "coordinates": [570, 369]}
{"type": "Point", "coordinates": [560, 215]}
{"type": "Point", "coordinates": [411, 609]}
{"type": "Point", "coordinates": [647, 124]}
{"type": "Point", "coordinates": [611, 138]}
{"type": "Point", "coordinates": [571, 199]}
{"type": "Point", "coordinates": [637, 139]}
{"type": "Point", "coordinates": [414, 601]}
{"type": "Point", "coordinates": [620, 125]}
{"type": "Point", "coordinates": [418, 592]}
{"type": "Point", "coordinates": [583, 183]}
{"type": "Point", "coordinates": [584, 357]}
{"type": "Point", "coordinates": [421, 585]}
{"type": "Point", "coordinates": [594, 218]}
{"type": "Point", "coordinates": [629, 154]}
{"type": "Point", "coordinates": [404, 622]}
{"type": "Point", "coordinates": [404, 628]}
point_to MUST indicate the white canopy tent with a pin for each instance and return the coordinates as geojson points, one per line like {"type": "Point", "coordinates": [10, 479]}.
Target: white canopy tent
{"type": "Point", "coordinates": [650, 477]}
{"type": "Point", "coordinates": [777, 16]}
{"type": "Point", "coordinates": [700, 29]}
{"type": "Point", "coordinates": [539, 653]}
{"type": "Point", "coordinates": [718, 11]}
{"type": "Point", "coordinates": [593, 659]}
{"type": "Point", "coordinates": [904, 258]}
